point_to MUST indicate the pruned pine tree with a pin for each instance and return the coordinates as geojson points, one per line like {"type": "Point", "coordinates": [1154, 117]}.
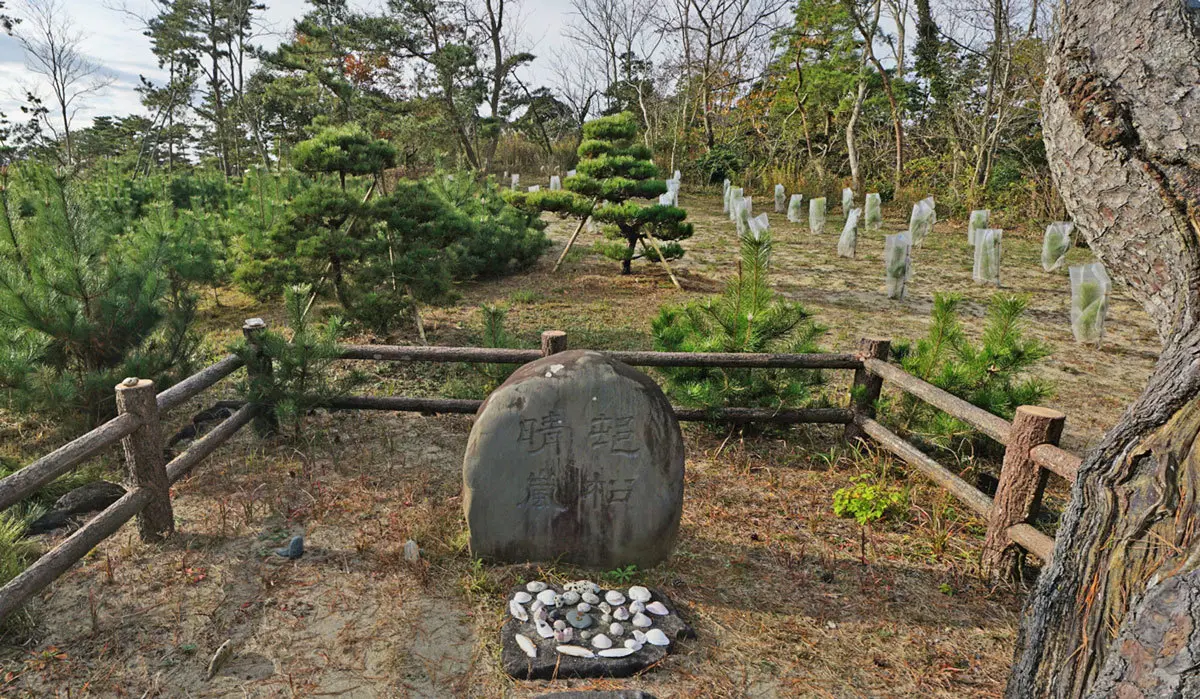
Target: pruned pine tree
{"type": "Point", "coordinates": [748, 317]}
{"type": "Point", "coordinates": [613, 173]}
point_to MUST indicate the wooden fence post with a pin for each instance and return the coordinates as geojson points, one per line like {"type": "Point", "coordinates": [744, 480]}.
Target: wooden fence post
{"type": "Point", "coordinates": [553, 342]}
{"type": "Point", "coordinates": [866, 388]}
{"type": "Point", "coordinates": [258, 368]}
{"type": "Point", "coordinates": [144, 457]}
{"type": "Point", "coordinates": [1020, 489]}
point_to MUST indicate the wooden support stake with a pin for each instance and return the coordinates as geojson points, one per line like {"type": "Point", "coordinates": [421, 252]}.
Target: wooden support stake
{"type": "Point", "coordinates": [558, 263]}
{"type": "Point", "coordinates": [867, 386]}
{"type": "Point", "coordinates": [1020, 489]}
{"type": "Point", "coordinates": [553, 342]}
{"type": "Point", "coordinates": [144, 457]}
{"type": "Point", "coordinates": [259, 369]}
{"type": "Point", "coordinates": [663, 260]}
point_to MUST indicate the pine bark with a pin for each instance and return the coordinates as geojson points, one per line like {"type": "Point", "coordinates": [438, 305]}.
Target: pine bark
{"type": "Point", "coordinates": [1118, 610]}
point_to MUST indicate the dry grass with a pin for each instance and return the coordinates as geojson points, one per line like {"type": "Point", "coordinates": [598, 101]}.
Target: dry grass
{"type": "Point", "coordinates": [786, 598]}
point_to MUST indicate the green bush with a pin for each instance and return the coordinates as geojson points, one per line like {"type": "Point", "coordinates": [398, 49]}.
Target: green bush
{"type": "Point", "coordinates": [83, 306]}
{"type": "Point", "coordinates": [747, 317]}
{"type": "Point", "coordinates": [991, 374]}
{"type": "Point", "coordinates": [867, 501]}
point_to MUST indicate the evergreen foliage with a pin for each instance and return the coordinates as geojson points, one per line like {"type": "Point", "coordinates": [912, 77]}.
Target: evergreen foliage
{"type": "Point", "coordinates": [747, 317]}
{"type": "Point", "coordinates": [612, 173]}
{"type": "Point", "coordinates": [301, 377]}
{"type": "Point", "coordinates": [345, 150]}
{"type": "Point", "coordinates": [85, 301]}
{"type": "Point", "coordinates": [992, 373]}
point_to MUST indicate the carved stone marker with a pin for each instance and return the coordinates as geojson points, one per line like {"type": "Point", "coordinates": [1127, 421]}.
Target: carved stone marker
{"type": "Point", "coordinates": [579, 458]}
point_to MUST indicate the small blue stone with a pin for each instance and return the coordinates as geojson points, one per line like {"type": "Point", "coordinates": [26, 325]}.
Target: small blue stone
{"type": "Point", "coordinates": [294, 549]}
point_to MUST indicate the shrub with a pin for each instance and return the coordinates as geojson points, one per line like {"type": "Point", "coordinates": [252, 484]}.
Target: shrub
{"type": "Point", "coordinates": [991, 373]}
{"type": "Point", "coordinates": [81, 307]}
{"type": "Point", "coordinates": [867, 501]}
{"type": "Point", "coordinates": [747, 317]}
{"type": "Point", "coordinates": [344, 150]}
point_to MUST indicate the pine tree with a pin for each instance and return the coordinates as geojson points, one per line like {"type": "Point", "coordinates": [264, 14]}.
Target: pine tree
{"type": "Point", "coordinates": [612, 173]}
{"type": "Point", "coordinates": [747, 317]}
{"type": "Point", "coordinates": [991, 374]}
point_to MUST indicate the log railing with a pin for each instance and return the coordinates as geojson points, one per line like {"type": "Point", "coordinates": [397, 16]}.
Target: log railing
{"type": "Point", "coordinates": [1030, 440]}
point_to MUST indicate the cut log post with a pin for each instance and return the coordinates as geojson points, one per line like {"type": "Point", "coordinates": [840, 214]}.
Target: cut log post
{"type": "Point", "coordinates": [553, 342]}
{"type": "Point", "coordinates": [1020, 489]}
{"type": "Point", "coordinates": [259, 369]}
{"type": "Point", "coordinates": [144, 457]}
{"type": "Point", "coordinates": [867, 386]}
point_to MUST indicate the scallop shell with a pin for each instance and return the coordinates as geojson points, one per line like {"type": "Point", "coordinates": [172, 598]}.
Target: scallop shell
{"type": "Point", "coordinates": [616, 652]}
{"type": "Point", "coordinates": [657, 637]}
{"type": "Point", "coordinates": [522, 597]}
{"type": "Point", "coordinates": [590, 598]}
{"type": "Point", "coordinates": [601, 641]}
{"type": "Point", "coordinates": [577, 651]}
{"type": "Point", "coordinates": [518, 611]}
{"type": "Point", "coordinates": [642, 621]}
{"type": "Point", "coordinates": [616, 629]}
{"type": "Point", "coordinates": [547, 597]}
{"type": "Point", "coordinates": [621, 614]}
{"type": "Point", "coordinates": [614, 598]}
{"type": "Point", "coordinates": [527, 645]}
{"type": "Point", "coordinates": [633, 644]}
{"type": "Point", "coordinates": [658, 608]}
{"type": "Point", "coordinates": [535, 586]}
{"type": "Point", "coordinates": [639, 594]}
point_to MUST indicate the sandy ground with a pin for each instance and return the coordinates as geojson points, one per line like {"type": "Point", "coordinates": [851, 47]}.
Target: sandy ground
{"type": "Point", "coordinates": [787, 599]}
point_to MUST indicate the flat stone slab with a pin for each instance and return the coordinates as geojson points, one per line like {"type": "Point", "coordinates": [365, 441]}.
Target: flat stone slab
{"type": "Point", "coordinates": [550, 664]}
{"type": "Point", "coordinates": [576, 458]}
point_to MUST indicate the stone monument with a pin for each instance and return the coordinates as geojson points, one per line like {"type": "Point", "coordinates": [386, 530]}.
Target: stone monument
{"type": "Point", "coordinates": [579, 458]}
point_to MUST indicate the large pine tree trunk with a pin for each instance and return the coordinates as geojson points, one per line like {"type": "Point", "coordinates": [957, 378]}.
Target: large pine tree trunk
{"type": "Point", "coordinates": [1117, 613]}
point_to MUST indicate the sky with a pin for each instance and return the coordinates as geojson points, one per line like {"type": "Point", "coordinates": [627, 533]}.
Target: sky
{"type": "Point", "coordinates": [114, 40]}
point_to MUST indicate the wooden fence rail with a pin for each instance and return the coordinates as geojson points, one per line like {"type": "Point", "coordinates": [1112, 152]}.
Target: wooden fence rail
{"type": "Point", "coordinates": [1030, 441]}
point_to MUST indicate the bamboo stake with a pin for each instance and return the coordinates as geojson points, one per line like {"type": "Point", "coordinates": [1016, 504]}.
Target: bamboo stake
{"type": "Point", "coordinates": [663, 260]}
{"type": "Point", "coordinates": [583, 221]}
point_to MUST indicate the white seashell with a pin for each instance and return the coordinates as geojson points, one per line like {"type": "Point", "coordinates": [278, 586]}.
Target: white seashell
{"type": "Point", "coordinates": [614, 598]}
{"type": "Point", "coordinates": [522, 597]}
{"type": "Point", "coordinates": [527, 645]}
{"type": "Point", "coordinates": [615, 652]}
{"type": "Point", "coordinates": [636, 607]}
{"type": "Point", "coordinates": [605, 618]}
{"type": "Point", "coordinates": [605, 607]}
{"type": "Point", "coordinates": [639, 594]}
{"type": "Point", "coordinates": [616, 629]}
{"type": "Point", "coordinates": [570, 597]}
{"type": "Point", "coordinates": [633, 645]}
{"type": "Point", "coordinates": [657, 608]}
{"type": "Point", "coordinates": [621, 614]}
{"type": "Point", "coordinates": [601, 641]}
{"type": "Point", "coordinates": [657, 637]}
{"type": "Point", "coordinates": [590, 598]}
{"type": "Point", "coordinates": [541, 614]}
{"type": "Point", "coordinates": [537, 604]}
{"type": "Point", "coordinates": [577, 651]}
{"type": "Point", "coordinates": [535, 586]}
{"type": "Point", "coordinates": [584, 607]}
{"type": "Point", "coordinates": [543, 629]}
{"type": "Point", "coordinates": [518, 611]}
{"type": "Point", "coordinates": [639, 636]}
{"type": "Point", "coordinates": [547, 597]}
{"type": "Point", "coordinates": [560, 625]}
{"type": "Point", "coordinates": [564, 635]}
{"type": "Point", "coordinates": [642, 621]}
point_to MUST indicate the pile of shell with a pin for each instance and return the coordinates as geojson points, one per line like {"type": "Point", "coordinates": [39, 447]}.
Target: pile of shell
{"type": "Point", "coordinates": [586, 621]}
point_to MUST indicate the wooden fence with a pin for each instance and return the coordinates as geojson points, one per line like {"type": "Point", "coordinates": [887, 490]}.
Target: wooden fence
{"type": "Point", "coordinates": [1030, 440]}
